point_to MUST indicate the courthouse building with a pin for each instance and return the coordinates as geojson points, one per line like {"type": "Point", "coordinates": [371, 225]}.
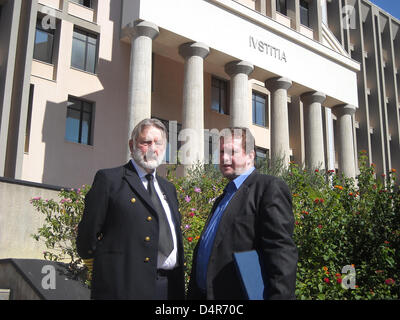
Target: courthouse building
{"type": "Point", "coordinates": [316, 81]}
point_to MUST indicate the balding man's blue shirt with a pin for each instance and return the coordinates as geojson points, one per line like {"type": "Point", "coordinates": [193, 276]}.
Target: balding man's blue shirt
{"type": "Point", "coordinates": [207, 239]}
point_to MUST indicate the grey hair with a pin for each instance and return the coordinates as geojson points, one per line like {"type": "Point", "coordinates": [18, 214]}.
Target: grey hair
{"type": "Point", "coordinates": [149, 123]}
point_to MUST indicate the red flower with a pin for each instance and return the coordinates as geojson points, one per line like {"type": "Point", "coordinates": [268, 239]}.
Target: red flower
{"type": "Point", "coordinates": [338, 275]}
{"type": "Point", "coordinates": [389, 281]}
{"type": "Point", "coordinates": [339, 280]}
{"type": "Point", "coordinates": [321, 200]}
{"type": "Point", "coordinates": [326, 280]}
{"type": "Point", "coordinates": [190, 239]}
{"type": "Point", "coordinates": [320, 226]}
{"type": "Point", "coordinates": [316, 170]}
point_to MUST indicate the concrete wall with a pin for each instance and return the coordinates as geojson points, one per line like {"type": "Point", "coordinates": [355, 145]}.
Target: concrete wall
{"type": "Point", "coordinates": [12, 279]}
{"type": "Point", "coordinates": [19, 219]}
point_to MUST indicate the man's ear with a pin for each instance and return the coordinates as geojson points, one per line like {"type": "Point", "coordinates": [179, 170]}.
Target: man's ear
{"type": "Point", "coordinates": [131, 145]}
{"type": "Point", "coordinates": [252, 155]}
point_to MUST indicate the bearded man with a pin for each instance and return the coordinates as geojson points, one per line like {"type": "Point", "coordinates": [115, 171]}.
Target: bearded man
{"type": "Point", "coordinates": [130, 234]}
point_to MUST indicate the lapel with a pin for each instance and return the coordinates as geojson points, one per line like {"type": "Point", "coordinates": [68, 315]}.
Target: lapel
{"type": "Point", "coordinates": [132, 177]}
{"type": "Point", "coordinates": [168, 195]}
{"type": "Point", "coordinates": [231, 211]}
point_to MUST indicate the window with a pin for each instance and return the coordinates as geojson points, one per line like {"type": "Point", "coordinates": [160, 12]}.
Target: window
{"type": "Point", "coordinates": [304, 13]}
{"type": "Point", "coordinates": [29, 118]}
{"type": "Point", "coordinates": [261, 157]}
{"type": "Point", "coordinates": [79, 121]}
{"type": "Point", "coordinates": [84, 51]}
{"type": "Point", "coordinates": [86, 3]}
{"type": "Point", "coordinates": [173, 133]}
{"type": "Point", "coordinates": [219, 94]}
{"type": "Point", "coordinates": [259, 109]}
{"type": "Point", "coordinates": [281, 6]}
{"type": "Point", "coordinates": [44, 42]}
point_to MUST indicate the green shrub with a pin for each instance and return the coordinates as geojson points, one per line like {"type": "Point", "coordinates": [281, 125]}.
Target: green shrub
{"type": "Point", "coordinates": [339, 222]}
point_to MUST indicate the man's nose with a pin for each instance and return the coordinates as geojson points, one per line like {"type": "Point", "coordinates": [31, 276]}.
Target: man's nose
{"type": "Point", "coordinates": [226, 158]}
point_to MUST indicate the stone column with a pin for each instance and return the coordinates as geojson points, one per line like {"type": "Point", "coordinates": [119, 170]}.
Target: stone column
{"type": "Point", "coordinates": [347, 164]}
{"type": "Point", "coordinates": [279, 118]}
{"type": "Point", "coordinates": [193, 103]}
{"type": "Point", "coordinates": [239, 92]}
{"type": "Point", "coordinates": [313, 129]}
{"type": "Point", "coordinates": [139, 90]}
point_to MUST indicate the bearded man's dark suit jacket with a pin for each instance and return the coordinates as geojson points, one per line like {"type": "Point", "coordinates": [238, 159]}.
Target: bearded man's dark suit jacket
{"type": "Point", "coordinates": [119, 212]}
{"type": "Point", "coordinates": [259, 216]}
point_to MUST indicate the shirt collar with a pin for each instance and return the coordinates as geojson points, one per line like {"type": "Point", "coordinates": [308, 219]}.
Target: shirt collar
{"type": "Point", "coordinates": [240, 179]}
{"type": "Point", "coordinates": [141, 172]}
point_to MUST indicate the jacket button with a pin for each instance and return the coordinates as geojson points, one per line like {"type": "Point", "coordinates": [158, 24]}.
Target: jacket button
{"type": "Point", "coordinates": [147, 239]}
{"type": "Point", "coordinates": [147, 259]}
{"type": "Point", "coordinates": [149, 218]}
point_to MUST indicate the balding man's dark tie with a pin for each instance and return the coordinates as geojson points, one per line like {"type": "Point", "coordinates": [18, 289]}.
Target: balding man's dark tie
{"type": "Point", "coordinates": [165, 242]}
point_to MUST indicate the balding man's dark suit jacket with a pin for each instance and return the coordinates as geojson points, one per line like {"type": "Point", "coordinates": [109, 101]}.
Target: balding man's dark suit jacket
{"type": "Point", "coordinates": [259, 216]}
{"type": "Point", "coordinates": [118, 209]}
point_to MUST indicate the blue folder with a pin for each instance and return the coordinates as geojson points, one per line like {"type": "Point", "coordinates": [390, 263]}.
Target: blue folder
{"type": "Point", "coordinates": [250, 272]}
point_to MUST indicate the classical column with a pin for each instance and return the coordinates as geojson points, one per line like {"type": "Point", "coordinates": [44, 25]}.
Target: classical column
{"type": "Point", "coordinates": [279, 118]}
{"type": "Point", "coordinates": [313, 129]}
{"type": "Point", "coordinates": [139, 90]}
{"type": "Point", "coordinates": [344, 122]}
{"type": "Point", "coordinates": [239, 92]}
{"type": "Point", "coordinates": [193, 103]}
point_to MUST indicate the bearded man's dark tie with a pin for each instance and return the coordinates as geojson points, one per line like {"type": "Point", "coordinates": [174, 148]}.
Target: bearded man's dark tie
{"type": "Point", "coordinates": [165, 243]}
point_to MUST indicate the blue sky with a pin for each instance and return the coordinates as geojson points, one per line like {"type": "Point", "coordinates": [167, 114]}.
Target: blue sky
{"type": "Point", "coordinates": [391, 6]}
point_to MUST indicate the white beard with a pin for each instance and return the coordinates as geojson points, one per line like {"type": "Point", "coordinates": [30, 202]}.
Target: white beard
{"type": "Point", "coordinates": [149, 160]}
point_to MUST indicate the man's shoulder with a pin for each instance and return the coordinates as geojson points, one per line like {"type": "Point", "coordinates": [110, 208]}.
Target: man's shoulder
{"type": "Point", "coordinates": [268, 180]}
{"type": "Point", "coordinates": [111, 172]}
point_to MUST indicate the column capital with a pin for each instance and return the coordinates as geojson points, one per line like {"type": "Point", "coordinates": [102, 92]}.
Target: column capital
{"type": "Point", "coordinates": [343, 109]}
{"type": "Point", "coordinates": [142, 28]}
{"type": "Point", "coordinates": [278, 83]}
{"type": "Point", "coordinates": [313, 97]}
{"type": "Point", "coordinates": [234, 67]}
{"type": "Point", "coordinates": [191, 49]}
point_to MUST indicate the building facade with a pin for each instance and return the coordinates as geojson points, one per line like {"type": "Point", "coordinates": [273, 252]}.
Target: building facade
{"type": "Point", "coordinates": [315, 81]}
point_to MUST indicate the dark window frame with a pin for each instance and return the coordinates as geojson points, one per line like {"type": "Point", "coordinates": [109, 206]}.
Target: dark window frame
{"type": "Point", "coordinates": [49, 32]}
{"type": "Point", "coordinates": [255, 95]}
{"type": "Point", "coordinates": [281, 6]}
{"type": "Point", "coordinates": [167, 158]}
{"type": "Point", "coordinates": [85, 3]}
{"type": "Point", "coordinates": [258, 159]}
{"type": "Point", "coordinates": [74, 100]}
{"type": "Point", "coordinates": [29, 118]}
{"type": "Point", "coordinates": [305, 13]}
{"type": "Point", "coordinates": [222, 85]}
{"type": "Point", "coordinates": [86, 42]}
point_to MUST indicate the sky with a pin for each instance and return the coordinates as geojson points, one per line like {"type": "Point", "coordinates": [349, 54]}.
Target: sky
{"type": "Point", "coordinates": [391, 6]}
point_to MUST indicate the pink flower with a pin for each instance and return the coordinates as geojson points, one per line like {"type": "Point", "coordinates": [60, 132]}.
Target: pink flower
{"type": "Point", "coordinates": [187, 226]}
{"type": "Point", "coordinates": [36, 198]}
{"type": "Point", "coordinates": [192, 214]}
{"type": "Point", "coordinates": [198, 190]}
{"type": "Point", "coordinates": [187, 199]}
{"type": "Point", "coordinates": [389, 281]}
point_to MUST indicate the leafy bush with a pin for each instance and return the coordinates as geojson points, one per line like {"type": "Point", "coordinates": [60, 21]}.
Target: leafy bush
{"type": "Point", "coordinates": [341, 225]}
